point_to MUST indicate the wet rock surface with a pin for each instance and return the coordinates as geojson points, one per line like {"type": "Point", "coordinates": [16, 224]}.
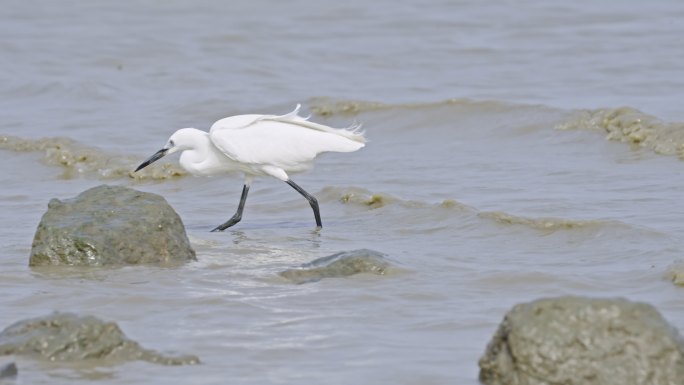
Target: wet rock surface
{"type": "Point", "coordinates": [109, 226]}
{"type": "Point", "coordinates": [339, 265]}
{"type": "Point", "coordinates": [571, 340]}
{"type": "Point", "coordinates": [68, 337]}
{"type": "Point", "coordinates": [8, 371]}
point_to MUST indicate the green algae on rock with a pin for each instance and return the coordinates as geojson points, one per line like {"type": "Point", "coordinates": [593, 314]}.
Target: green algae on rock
{"type": "Point", "coordinates": [110, 226]}
{"type": "Point", "coordinates": [574, 340]}
{"type": "Point", "coordinates": [67, 337]}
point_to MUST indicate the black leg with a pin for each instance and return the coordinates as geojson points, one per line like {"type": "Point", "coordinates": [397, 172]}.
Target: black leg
{"type": "Point", "coordinates": [312, 201]}
{"type": "Point", "coordinates": [238, 214]}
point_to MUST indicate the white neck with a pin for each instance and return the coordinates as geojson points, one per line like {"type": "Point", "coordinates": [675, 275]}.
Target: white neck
{"type": "Point", "coordinates": [200, 156]}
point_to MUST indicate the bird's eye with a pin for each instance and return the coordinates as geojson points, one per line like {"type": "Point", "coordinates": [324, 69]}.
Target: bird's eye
{"type": "Point", "coordinates": [171, 143]}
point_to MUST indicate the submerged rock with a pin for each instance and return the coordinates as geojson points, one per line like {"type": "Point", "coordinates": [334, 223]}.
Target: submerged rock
{"type": "Point", "coordinates": [339, 265]}
{"type": "Point", "coordinates": [110, 225]}
{"type": "Point", "coordinates": [68, 337]}
{"type": "Point", "coordinates": [572, 340]}
{"type": "Point", "coordinates": [8, 370]}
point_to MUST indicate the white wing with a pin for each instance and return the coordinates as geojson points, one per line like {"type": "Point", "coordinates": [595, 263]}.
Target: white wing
{"type": "Point", "coordinates": [283, 141]}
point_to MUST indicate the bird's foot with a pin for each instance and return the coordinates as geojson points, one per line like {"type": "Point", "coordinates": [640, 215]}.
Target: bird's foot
{"type": "Point", "coordinates": [223, 226]}
{"type": "Point", "coordinates": [232, 221]}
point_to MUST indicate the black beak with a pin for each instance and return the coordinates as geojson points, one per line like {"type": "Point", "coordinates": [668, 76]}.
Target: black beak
{"type": "Point", "coordinates": [157, 155]}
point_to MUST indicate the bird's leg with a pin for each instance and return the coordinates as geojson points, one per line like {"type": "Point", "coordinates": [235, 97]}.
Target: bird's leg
{"type": "Point", "coordinates": [312, 201]}
{"type": "Point", "coordinates": [238, 214]}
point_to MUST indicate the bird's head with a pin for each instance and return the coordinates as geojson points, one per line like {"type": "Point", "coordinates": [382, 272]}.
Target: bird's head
{"type": "Point", "coordinates": [180, 140]}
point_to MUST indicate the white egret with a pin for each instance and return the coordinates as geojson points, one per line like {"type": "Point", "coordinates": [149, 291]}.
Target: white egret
{"type": "Point", "coordinates": [259, 145]}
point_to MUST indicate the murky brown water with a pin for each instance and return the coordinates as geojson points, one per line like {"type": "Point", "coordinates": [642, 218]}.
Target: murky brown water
{"type": "Point", "coordinates": [548, 188]}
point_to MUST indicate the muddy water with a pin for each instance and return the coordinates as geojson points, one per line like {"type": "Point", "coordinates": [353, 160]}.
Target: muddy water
{"type": "Point", "coordinates": [501, 168]}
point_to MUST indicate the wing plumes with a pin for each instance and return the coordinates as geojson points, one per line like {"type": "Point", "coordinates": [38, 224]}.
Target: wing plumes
{"type": "Point", "coordinates": [289, 141]}
{"type": "Point", "coordinates": [353, 132]}
{"type": "Point", "coordinates": [294, 115]}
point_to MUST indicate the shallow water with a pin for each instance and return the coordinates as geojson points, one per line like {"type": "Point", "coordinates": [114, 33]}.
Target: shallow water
{"type": "Point", "coordinates": [488, 180]}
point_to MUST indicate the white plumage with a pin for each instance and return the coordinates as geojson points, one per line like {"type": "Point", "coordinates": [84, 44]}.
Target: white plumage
{"type": "Point", "coordinates": [263, 143]}
{"type": "Point", "coordinates": [259, 145]}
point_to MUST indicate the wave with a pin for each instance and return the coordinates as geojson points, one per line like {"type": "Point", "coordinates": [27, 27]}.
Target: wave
{"type": "Point", "coordinates": [79, 160]}
{"type": "Point", "coordinates": [89, 89]}
{"type": "Point", "coordinates": [364, 198]}
{"type": "Point", "coordinates": [357, 196]}
{"type": "Point", "coordinates": [675, 273]}
{"type": "Point", "coordinates": [549, 224]}
{"type": "Point", "coordinates": [624, 124]}
{"type": "Point", "coordinates": [328, 107]}
{"type": "Point", "coordinates": [629, 125]}
{"type": "Point", "coordinates": [368, 200]}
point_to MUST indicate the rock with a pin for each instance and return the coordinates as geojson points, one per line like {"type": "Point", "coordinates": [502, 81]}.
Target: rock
{"type": "Point", "coordinates": [109, 226]}
{"type": "Point", "coordinates": [67, 337]}
{"type": "Point", "coordinates": [571, 340]}
{"type": "Point", "coordinates": [8, 371]}
{"type": "Point", "coordinates": [339, 265]}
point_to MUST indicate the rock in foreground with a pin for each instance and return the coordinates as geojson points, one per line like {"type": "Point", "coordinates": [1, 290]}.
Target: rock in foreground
{"type": "Point", "coordinates": [339, 265]}
{"type": "Point", "coordinates": [109, 226]}
{"type": "Point", "coordinates": [8, 370]}
{"type": "Point", "coordinates": [68, 337]}
{"type": "Point", "coordinates": [572, 340]}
